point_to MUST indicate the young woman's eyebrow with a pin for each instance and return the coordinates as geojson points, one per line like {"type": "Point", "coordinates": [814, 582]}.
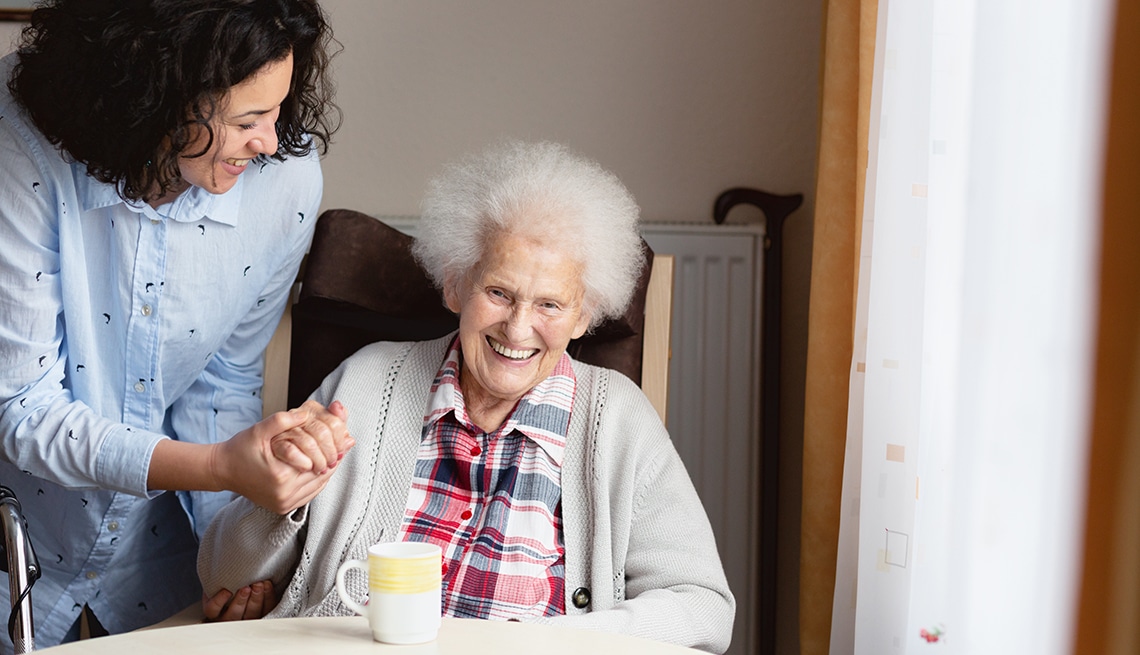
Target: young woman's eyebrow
{"type": "Point", "coordinates": [251, 113]}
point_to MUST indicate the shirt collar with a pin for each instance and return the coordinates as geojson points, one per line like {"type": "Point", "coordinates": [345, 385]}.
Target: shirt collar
{"type": "Point", "coordinates": [194, 204]}
{"type": "Point", "coordinates": [542, 415]}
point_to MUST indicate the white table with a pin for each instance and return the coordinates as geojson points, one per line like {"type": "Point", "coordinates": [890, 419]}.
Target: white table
{"type": "Point", "coordinates": [349, 635]}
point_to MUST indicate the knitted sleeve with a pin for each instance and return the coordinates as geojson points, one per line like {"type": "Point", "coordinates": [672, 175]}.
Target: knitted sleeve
{"type": "Point", "coordinates": [246, 544]}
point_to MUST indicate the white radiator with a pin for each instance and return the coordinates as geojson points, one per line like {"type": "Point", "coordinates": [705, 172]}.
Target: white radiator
{"type": "Point", "coordinates": [714, 382]}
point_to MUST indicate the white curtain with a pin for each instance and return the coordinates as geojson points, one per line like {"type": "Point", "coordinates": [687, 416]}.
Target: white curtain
{"type": "Point", "coordinates": [968, 419]}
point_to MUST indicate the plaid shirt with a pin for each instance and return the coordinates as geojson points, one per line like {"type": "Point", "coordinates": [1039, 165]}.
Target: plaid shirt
{"type": "Point", "coordinates": [493, 501]}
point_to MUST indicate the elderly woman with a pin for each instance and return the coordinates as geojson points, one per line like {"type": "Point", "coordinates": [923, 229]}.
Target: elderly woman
{"type": "Point", "coordinates": [551, 485]}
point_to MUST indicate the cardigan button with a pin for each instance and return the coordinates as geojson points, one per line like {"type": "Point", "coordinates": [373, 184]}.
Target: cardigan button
{"type": "Point", "coordinates": [581, 597]}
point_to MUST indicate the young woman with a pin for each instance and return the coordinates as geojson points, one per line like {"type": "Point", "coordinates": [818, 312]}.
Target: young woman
{"type": "Point", "coordinates": [160, 183]}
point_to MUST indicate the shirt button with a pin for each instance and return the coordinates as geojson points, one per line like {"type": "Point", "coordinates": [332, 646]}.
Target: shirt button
{"type": "Point", "coordinates": [113, 525]}
{"type": "Point", "coordinates": [91, 575]}
{"type": "Point", "coordinates": [146, 310]}
{"type": "Point", "coordinates": [581, 597]}
{"type": "Point", "coordinates": [153, 222]}
{"type": "Point", "coordinates": [139, 387]}
{"type": "Point", "coordinates": [465, 515]}
{"type": "Point", "coordinates": [475, 451]}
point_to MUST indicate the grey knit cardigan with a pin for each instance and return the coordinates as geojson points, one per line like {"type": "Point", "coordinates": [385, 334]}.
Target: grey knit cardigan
{"type": "Point", "coordinates": [638, 542]}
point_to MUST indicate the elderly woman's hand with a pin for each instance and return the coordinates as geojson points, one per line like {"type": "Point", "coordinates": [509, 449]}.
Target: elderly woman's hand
{"type": "Point", "coordinates": [319, 443]}
{"type": "Point", "coordinates": [250, 602]}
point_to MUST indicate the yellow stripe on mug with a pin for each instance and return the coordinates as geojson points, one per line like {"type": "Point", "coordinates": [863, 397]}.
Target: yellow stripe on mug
{"type": "Point", "coordinates": [404, 575]}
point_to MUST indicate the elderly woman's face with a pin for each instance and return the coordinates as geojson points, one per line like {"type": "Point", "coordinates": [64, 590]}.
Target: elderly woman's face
{"type": "Point", "coordinates": [515, 319]}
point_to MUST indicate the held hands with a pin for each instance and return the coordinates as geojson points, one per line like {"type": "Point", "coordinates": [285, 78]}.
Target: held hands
{"type": "Point", "coordinates": [283, 461]}
{"type": "Point", "coordinates": [319, 443]}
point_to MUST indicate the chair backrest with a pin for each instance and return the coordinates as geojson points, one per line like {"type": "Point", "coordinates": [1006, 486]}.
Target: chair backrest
{"type": "Point", "coordinates": [360, 284]}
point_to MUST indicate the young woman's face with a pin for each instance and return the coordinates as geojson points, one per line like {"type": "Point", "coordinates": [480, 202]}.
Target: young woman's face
{"type": "Point", "coordinates": [243, 129]}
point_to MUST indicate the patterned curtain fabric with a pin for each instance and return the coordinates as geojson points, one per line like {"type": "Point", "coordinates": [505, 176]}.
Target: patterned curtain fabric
{"type": "Point", "coordinates": [969, 390]}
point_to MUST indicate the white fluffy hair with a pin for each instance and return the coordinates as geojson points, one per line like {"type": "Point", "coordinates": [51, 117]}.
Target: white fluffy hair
{"type": "Point", "coordinates": [534, 190]}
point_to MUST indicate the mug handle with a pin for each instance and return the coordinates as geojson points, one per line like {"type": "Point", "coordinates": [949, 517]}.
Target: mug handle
{"type": "Point", "coordinates": [352, 604]}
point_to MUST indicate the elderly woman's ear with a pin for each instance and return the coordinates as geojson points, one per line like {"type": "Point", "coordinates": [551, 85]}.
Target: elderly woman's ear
{"type": "Point", "coordinates": [452, 295]}
{"type": "Point", "coordinates": [583, 324]}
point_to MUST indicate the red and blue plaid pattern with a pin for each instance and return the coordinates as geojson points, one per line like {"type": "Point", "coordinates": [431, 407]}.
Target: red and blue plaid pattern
{"type": "Point", "coordinates": [493, 501]}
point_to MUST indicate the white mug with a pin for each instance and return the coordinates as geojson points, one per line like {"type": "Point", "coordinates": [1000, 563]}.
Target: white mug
{"type": "Point", "coordinates": [403, 591]}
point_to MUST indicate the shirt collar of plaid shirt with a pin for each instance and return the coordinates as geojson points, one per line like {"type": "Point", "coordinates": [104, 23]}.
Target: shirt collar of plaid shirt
{"type": "Point", "coordinates": [542, 415]}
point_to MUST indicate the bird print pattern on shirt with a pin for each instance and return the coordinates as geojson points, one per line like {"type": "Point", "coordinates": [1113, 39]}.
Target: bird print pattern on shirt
{"type": "Point", "coordinates": [148, 288]}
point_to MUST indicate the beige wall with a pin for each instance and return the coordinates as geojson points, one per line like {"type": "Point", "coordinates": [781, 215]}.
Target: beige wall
{"type": "Point", "coordinates": [8, 34]}
{"type": "Point", "coordinates": [682, 99]}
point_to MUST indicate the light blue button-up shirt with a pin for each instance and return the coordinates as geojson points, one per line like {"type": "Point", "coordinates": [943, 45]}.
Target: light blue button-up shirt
{"type": "Point", "coordinates": [121, 325]}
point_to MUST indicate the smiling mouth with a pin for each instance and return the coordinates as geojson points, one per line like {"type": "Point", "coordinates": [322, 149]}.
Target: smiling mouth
{"type": "Point", "coordinates": [517, 355]}
{"type": "Point", "coordinates": [238, 162]}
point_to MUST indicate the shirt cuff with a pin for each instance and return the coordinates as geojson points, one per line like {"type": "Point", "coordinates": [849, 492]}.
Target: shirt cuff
{"type": "Point", "coordinates": [123, 463]}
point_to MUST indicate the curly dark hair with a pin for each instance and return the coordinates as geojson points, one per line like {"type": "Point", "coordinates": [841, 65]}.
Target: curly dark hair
{"type": "Point", "coordinates": [124, 86]}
